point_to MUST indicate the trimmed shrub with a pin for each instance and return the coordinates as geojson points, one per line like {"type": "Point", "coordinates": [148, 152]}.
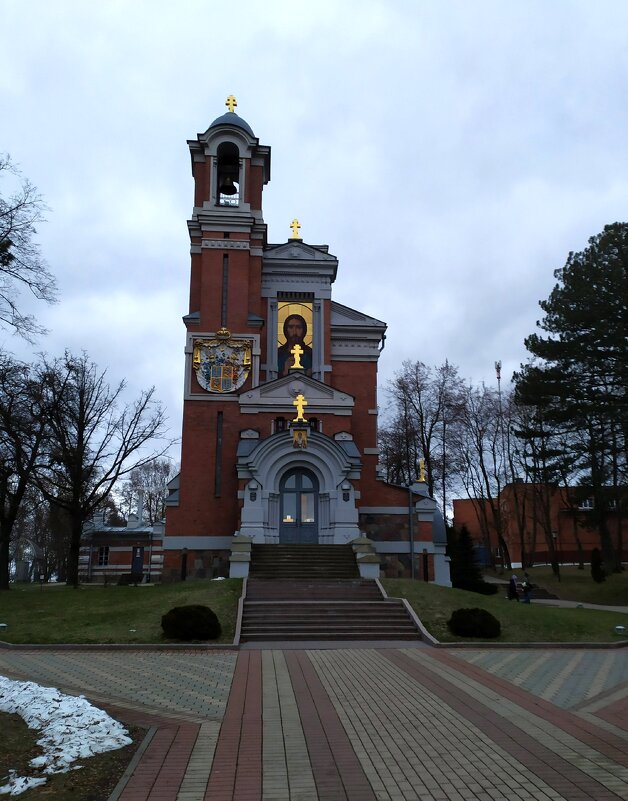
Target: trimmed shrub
{"type": "Point", "coordinates": [474, 623]}
{"type": "Point", "coordinates": [193, 622]}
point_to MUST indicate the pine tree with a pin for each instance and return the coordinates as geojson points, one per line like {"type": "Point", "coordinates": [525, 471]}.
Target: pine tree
{"type": "Point", "coordinates": [579, 373]}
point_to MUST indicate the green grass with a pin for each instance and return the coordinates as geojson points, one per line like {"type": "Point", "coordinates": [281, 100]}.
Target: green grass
{"type": "Point", "coordinates": [519, 622]}
{"type": "Point", "coordinates": [577, 585]}
{"type": "Point", "coordinates": [93, 614]}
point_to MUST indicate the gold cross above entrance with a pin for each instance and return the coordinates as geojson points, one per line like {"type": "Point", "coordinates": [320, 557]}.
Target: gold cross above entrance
{"type": "Point", "coordinates": [231, 103]}
{"type": "Point", "coordinates": [422, 470]}
{"type": "Point", "coordinates": [295, 229]}
{"type": "Point", "coordinates": [300, 403]}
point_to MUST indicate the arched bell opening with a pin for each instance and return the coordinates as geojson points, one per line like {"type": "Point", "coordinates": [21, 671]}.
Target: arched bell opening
{"type": "Point", "coordinates": [228, 175]}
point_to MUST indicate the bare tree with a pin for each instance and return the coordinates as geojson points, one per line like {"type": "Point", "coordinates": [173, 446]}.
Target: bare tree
{"type": "Point", "coordinates": [23, 430]}
{"type": "Point", "coordinates": [481, 461]}
{"type": "Point", "coordinates": [22, 267]}
{"type": "Point", "coordinates": [426, 405]}
{"type": "Point", "coordinates": [95, 440]}
{"type": "Point", "coordinates": [148, 482]}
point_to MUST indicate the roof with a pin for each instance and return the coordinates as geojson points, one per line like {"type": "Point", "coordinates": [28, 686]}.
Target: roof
{"type": "Point", "coordinates": [232, 119]}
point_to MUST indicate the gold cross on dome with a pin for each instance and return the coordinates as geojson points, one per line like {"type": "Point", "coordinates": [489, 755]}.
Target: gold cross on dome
{"type": "Point", "coordinates": [231, 103]}
{"type": "Point", "coordinates": [422, 470]}
{"type": "Point", "coordinates": [300, 403]}
{"type": "Point", "coordinates": [295, 229]}
{"type": "Point", "coordinates": [296, 352]}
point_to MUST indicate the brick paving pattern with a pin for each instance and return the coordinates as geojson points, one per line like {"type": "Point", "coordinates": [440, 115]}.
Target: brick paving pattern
{"type": "Point", "coordinates": [359, 724]}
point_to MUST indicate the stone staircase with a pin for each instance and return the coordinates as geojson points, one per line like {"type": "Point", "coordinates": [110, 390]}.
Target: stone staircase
{"type": "Point", "coordinates": [303, 561]}
{"type": "Point", "coordinates": [302, 592]}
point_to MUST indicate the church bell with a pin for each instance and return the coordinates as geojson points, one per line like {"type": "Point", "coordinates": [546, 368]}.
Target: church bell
{"type": "Point", "coordinates": [227, 187]}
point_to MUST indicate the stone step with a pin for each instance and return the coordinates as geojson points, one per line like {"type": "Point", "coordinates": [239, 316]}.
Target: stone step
{"type": "Point", "coordinates": [302, 561]}
{"type": "Point", "coordinates": [323, 634]}
{"type": "Point", "coordinates": [309, 591]}
{"type": "Point", "coordinates": [336, 614]}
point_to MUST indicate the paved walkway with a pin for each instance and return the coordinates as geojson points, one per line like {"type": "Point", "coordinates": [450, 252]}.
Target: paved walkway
{"type": "Point", "coordinates": [359, 724]}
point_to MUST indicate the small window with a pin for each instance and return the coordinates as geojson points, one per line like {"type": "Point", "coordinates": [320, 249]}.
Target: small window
{"type": "Point", "coordinates": [280, 424]}
{"type": "Point", "coordinates": [586, 503]}
{"type": "Point", "coordinates": [103, 556]}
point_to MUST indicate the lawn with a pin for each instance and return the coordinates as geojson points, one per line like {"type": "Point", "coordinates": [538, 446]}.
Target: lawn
{"type": "Point", "coordinates": [96, 614]}
{"type": "Point", "coordinates": [577, 585]}
{"type": "Point", "coordinates": [519, 622]}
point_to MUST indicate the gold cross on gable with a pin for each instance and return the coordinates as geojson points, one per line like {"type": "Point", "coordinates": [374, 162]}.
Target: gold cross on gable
{"type": "Point", "coordinates": [231, 103]}
{"type": "Point", "coordinates": [295, 229]}
{"type": "Point", "coordinates": [300, 403]}
{"type": "Point", "coordinates": [296, 352]}
{"type": "Point", "coordinates": [422, 470]}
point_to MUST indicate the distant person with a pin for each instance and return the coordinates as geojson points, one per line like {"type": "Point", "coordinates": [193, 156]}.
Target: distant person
{"type": "Point", "coordinates": [526, 586]}
{"type": "Point", "coordinates": [513, 595]}
{"type": "Point", "coordinates": [295, 331]}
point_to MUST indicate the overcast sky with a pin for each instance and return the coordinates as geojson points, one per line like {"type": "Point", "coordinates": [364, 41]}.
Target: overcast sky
{"type": "Point", "coordinates": [451, 154]}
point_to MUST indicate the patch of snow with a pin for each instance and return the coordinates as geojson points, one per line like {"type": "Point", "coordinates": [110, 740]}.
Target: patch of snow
{"type": "Point", "coordinates": [71, 729]}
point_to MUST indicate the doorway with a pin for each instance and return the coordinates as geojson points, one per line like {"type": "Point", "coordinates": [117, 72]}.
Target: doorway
{"type": "Point", "coordinates": [299, 503]}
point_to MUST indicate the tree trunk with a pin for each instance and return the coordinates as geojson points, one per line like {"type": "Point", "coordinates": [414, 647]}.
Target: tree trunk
{"type": "Point", "coordinates": [72, 579]}
{"type": "Point", "coordinates": [5, 534]}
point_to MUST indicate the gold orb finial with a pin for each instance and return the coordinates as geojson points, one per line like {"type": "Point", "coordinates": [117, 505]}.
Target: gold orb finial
{"type": "Point", "coordinates": [295, 225]}
{"type": "Point", "coordinates": [231, 103]}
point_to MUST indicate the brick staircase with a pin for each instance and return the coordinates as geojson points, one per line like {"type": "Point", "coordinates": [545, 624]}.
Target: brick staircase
{"type": "Point", "coordinates": [302, 592]}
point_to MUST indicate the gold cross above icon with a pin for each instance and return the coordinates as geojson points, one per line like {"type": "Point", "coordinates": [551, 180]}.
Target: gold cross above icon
{"type": "Point", "coordinates": [296, 352]}
{"type": "Point", "coordinates": [295, 229]}
{"type": "Point", "coordinates": [231, 103]}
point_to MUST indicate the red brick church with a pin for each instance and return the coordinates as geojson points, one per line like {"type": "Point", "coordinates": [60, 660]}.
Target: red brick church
{"type": "Point", "coordinates": [279, 441]}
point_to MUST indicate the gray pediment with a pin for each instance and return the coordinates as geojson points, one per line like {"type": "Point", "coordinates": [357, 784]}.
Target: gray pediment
{"type": "Point", "coordinates": [345, 316]}
{"type": "Point", "coordinates": [278, 396]}
{"type": "Point", "coordinates": [297, 250]}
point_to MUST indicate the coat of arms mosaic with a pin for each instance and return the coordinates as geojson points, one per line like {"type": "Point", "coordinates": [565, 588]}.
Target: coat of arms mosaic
{"type": "Point", "coordinates": [222, 364]}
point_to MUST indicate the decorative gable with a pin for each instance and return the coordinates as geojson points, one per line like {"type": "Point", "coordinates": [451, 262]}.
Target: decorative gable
{"type": "Point", "coordinates": [277, 396]}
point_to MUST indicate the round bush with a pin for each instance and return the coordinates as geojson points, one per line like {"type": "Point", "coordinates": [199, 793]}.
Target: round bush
{"type": "Point", "coordinates": [193, 622]}
{"type": "Point", "coordinates": [474, 623]}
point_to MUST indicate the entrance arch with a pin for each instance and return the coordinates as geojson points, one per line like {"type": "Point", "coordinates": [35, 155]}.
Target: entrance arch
{"type": "Point", "coordinates": [332, 466]}
{"type": "Point", "coordinates": [298, 505]}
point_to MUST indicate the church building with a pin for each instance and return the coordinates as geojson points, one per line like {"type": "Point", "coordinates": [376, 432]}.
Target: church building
{"type": "Point", "coordinates": [279, 441]}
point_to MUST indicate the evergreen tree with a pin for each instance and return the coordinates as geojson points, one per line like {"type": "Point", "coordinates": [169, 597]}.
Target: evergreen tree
{"type": "Point", "coordinates": [465, 571]}
{"type": "Point", "coordinates": [579, 373]}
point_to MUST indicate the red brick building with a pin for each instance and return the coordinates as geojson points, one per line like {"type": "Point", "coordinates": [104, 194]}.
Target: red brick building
{"type": "Point", "coordinates": [532, 514]}
{"type": "Point", "coordinates": [251, 303]}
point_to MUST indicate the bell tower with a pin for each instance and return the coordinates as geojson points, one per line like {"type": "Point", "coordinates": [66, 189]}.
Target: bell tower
{"type": "Point", "coordinates": [227, 230]}
{"type": "Point", "coordinates": [224, 340]}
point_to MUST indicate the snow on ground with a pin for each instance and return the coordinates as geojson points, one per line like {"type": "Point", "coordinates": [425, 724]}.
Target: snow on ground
{"type": "Point", "coordinates": [71, 729]}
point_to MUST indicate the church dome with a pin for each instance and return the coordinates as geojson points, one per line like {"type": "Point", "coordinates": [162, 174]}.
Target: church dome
{"type": "Point", "coordinates": [232, 119]}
